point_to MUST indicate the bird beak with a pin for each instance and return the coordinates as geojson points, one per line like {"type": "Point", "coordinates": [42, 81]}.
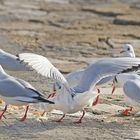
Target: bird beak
{"type": "Point", "coordinates": [122, 51]}
{"type": "Point", "coordinates": [96, 101]}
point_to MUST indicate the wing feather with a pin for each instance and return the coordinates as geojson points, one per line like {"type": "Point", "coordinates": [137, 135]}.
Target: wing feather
{"type": "Point", "coordinates": [43, 66]}
{"type": "Point", "coordinates": [104, 68]}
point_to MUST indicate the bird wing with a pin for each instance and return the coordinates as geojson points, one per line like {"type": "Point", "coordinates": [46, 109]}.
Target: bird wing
{"type": "Point", "coordinates": [10, 62]}
{"type": "Point", "coordinates": [43, 66]}
{"type": "Point", "coordinates": [104, 68]}
{"type": "Point", "coordinates": [25, 84]}
{"type": "Point", "coordinates": [9, 87]}
{"type": "Point", "coordinates": [132, 90]}
{"type": "Point", "coordinates": [105, 80]}
{"type": "Point", "coordinates": [74, 78]}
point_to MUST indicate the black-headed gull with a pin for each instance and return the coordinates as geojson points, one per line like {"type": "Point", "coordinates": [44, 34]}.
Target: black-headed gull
{"type": "Point", "coordinates": [74, 77]}
{"type": "Point", "coordinates": [18, 92]}
{"type": "Point", "coordinates": [131, 87]}
{"type": "Point", "coordinates": [11, 62]}
{"type": "Point", "coordinates": [127, 51]}
{"type": "Point", "coordinates": [71, 100]}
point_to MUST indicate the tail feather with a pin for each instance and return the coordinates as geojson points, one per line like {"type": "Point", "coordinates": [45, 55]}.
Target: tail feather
{"type": "Point", "coordinates": [42, 99]}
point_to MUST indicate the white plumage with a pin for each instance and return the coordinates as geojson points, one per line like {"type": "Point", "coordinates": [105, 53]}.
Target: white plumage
{"type": "Point", "coordinates": [71, 100]}
{"type": "Point", "coordinates": [131, 86]}
{"type": "Point", "coordinates": [128, 51]}
{"type": "Point", "coordinates": [18, 92]}
{"type": "Point", "coordinates": [74, 78]}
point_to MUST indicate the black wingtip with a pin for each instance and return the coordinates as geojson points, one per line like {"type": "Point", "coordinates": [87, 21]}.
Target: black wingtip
{"type": "Point", "coordinates": [132, 69]}
{"type": "Point", "coordinates": [42, 99]}
{"type": "Point", "coordinates": [17, 55]}
{"type": "Point", "coordinates": [18, 59]}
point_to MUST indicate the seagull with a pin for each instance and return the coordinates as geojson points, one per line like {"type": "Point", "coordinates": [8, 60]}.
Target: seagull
{"type": "Point", "coordinates": [74, 77]}
{"type": "Point", "coordinates": [18, 92]}
{"type": "Point", "coordinates": [11, 62]}
{"type": "Point", "coordinates": [71, 100]}
{"type": "Point", "coordinates": [131, 87]}
{"type": "Point", "coordinates": [128, 51]}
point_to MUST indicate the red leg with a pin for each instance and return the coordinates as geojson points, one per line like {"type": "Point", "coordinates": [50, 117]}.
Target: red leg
{"type": "Point", "coordinates": [126, 111]}
{"type": "Point", "coordinates": [96, 101]}
{"type": "Point", "coordinates": [61, 118]}
{"type": "Point", "coordinates": [2, 114]}
{"type": "Point", "coordinates": [25, 115]}
{"type": "Point", "coordinates": [80, 120]}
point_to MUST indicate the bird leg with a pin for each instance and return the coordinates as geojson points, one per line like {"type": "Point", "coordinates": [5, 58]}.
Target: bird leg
{"type": "Point", "coordinates": [2, 114]}
{"type": "Point", "coordinates": [127, 111]}
{"type": "Point", "coordinates": [96, 101]}
{"type": "Point", "coordinates": [113, 89]}
{"type": "Point", "coordinates": [80, 120]}
{"type": "Point", "coordinates": [25, 115]}
{"type": "Point", "coordinates": [61, 118]}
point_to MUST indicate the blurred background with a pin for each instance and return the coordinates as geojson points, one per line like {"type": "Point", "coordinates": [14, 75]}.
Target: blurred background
{"type": "Point", "coordinates": [71, 34]}
{"type": "Point", "coordinates": [69, 31]}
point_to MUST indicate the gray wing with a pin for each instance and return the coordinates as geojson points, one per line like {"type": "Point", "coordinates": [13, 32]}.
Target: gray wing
{"type": "Point", "coordinates": [25, 84]}
{"type": "Point", "coordinates": [11, 62]}
{"type": "Point", "coordinates": [10, 87]}
{"type": "Point", "coordinates": [105, 80]}
{"type": "Point", "coordinates": [74, 78]}
{"type": "Point", "coordinates": [132, 90]}
{"type": "Point", "coordinates": [104, 68]}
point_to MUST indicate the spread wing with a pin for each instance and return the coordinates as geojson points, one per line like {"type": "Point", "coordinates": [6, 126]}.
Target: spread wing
{"type": "Point", "coordinates": [43, 66]}
{"type": "Point", "coordinates": [104, 68]}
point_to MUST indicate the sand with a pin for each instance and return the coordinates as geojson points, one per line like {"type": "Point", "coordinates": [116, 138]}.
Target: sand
{"type": "Point", "coordinates": [71, 34]}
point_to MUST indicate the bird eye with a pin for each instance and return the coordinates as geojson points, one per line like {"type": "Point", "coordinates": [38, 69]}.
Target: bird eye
{"type": "Point", "coordinates": [128, 49]}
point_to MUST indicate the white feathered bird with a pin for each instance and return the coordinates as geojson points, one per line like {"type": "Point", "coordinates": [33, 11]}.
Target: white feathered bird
{"type": "Point", "coordinates": [128, 51]}
{"type": "Point", "coordinates": [131, 87]}
{"type": "Point", "coordinates": [71, 100]}
{"type": "Point", "coordinates": [18, 92]}
{"type": "Point", "coordinates": [74, 77]}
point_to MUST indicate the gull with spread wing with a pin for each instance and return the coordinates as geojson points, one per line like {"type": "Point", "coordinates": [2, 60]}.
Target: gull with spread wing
{"type": "Point", "coordinates": [71, 100]}
{"type": "Point", "coordinates": [74, 77]}
{"type": "Point", "coordinates": [18, 92]}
